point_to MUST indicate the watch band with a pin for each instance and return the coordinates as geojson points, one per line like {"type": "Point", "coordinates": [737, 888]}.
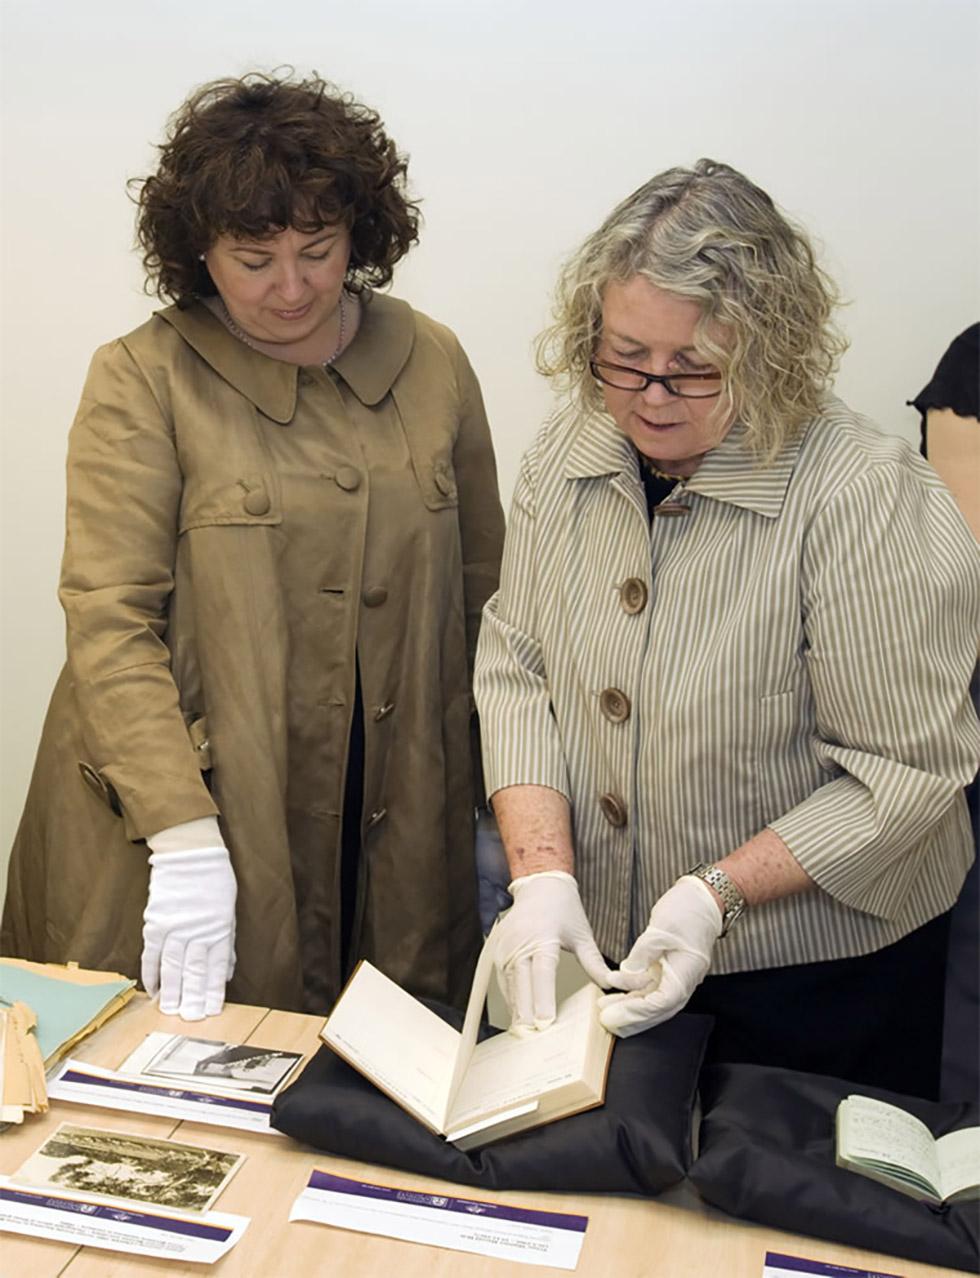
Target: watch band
{"type": "Point", "coordinates": [732, 899]}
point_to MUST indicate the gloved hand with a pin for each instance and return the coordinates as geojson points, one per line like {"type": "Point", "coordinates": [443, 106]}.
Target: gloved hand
{"type": "Point", "coordinates": [675, 953]}
{"type": "Point", "coordinates": [546, 917]}
{"type": "Point", "coordinates": [189, 926]}
{"type": "Point", "coordinates": [492, 871]}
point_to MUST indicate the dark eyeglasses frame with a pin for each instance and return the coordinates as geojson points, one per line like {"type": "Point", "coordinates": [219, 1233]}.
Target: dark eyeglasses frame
{"type": "Point", "coordinates": [663, 379]}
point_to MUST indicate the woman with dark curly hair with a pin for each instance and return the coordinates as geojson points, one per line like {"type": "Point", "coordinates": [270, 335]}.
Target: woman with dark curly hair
{"type": "Point", "coordinates": [282, 526]}
{"type": "Point", "coordinates": [724, 684]}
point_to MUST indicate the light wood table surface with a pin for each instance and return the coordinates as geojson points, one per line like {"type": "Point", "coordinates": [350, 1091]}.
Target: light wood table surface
{"type": "Point", "coordinates": [676, 1236]}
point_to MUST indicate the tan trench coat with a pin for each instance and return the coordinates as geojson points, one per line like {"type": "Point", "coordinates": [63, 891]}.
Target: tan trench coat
{"type": "Point", "coordinates": [238, 529]}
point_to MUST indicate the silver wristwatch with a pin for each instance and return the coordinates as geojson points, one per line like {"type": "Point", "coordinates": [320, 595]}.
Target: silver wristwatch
{"type": "Point", "coordinates": [732, 898]}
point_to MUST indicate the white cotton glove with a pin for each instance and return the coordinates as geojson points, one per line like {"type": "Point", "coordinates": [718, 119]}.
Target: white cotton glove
{"type": "Point", "coordinates": [675, 953]}
{"type": "Point", "coordinates": [189, 924]}
{"type": "Point", "coordinates": [492, 871]}
{"type": "Point", "coordinates": [546, 917]}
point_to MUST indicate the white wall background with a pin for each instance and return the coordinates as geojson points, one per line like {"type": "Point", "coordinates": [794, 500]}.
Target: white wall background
{"type": "Point", "coordinates": [525, 122]}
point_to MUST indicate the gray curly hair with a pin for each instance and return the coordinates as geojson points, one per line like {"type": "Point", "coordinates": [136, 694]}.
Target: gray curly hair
{"type": "Point", "coordinates": [709, 234]}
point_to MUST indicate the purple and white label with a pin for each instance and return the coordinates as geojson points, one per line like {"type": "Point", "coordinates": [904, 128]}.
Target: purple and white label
{"type": "Point", "coordinates": [116, 1226]}
{"type": "Point", "coordinates": [781, 1266]}
{"type": "Point", "coordinates": [469, 1206]}
{"type": "Point", "coordinates": [475, 1225]}
{"type": "Point", "coordinates": [85, 1084]}
{"type": "Point", "coordinates": [171, 1093]}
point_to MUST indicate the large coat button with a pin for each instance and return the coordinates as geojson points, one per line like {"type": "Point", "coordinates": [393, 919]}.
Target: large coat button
{"type": "Point", "coordinates": [376, 818]}
{"type": "Point", "coordinates": [615, 705]}
{"type": "Point", "coordinates": [348, 479]}
{"type": "Point", "coordinates": [383, 711]}
{"type": "Point", "coordinates": [101, 787]}
{"type": "Point", "coordinates": [613, 809]}
{"type": "Point", "coordinates": [92, 779]}
{"type": "Point", "coordinates": [257, 502]}
{"type": "Point", "coordinates": [633, 595]}
{"type": "Point", "coordinates": [444, 480]}
{"type": "Point", "coordinates": [374, 596]}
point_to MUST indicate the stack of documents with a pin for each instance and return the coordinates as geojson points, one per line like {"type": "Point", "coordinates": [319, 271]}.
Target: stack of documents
{"type": "Point", "coordinates": [45, 1009]}
{"type": "Point", "coordinates": [69, 1001]}
{"type": "Point", "coordinates": [22, 1088]}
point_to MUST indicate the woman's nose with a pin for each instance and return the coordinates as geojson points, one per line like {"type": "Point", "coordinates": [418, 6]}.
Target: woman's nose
{"type": "Point", "coordinates": [291, 283]}
{"type": "Point", "coordinates": [656, 393]}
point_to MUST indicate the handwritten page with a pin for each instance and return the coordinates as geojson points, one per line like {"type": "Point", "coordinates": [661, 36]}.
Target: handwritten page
{"type": "Point", "coordinates": [877, 1132]}
{"type": "Point", "coordinates": [958, 1154]}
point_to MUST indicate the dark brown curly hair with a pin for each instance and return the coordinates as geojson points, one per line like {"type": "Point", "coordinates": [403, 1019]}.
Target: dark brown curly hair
{"type": "Point", "coordinates": [253, 156]}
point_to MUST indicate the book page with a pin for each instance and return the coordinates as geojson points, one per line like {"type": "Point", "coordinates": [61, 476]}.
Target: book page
{"type": "Point", "coordinates": [474, 1014]}
{"type": "Point", "coordinates": [507, 1071]}
{"type": "Point", "coordinates": [873, 1131]}
{"type": "Point", "coordinates": [959, 1160]}
{"type": "Point", "coordinates": [393, 1039]}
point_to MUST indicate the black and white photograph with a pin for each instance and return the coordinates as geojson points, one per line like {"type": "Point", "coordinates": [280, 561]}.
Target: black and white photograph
{"type": "Point", "coordinates": [239, 1067]}
{"type": "Point", "coordinates": [117, 1165]}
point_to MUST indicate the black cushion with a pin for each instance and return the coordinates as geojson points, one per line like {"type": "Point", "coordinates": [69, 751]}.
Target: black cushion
{"type": "Point", "coordinates": [767, 1154]}
{"type": "Point", "coordinates": [638, 1142]}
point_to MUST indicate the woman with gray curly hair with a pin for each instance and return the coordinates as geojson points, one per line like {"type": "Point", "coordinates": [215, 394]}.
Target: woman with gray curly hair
{"type": "Point", "coordinates": [724, 685]}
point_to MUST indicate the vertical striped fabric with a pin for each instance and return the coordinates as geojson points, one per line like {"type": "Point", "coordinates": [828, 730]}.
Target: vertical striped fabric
{"type": "Point", "coordinates": [802, 662]}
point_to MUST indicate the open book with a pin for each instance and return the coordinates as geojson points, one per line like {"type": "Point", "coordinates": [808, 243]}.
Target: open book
{"type": "Point", "coordinates": [889, 1145]}
{"type": "Point", "coordinates": [471, 1093]}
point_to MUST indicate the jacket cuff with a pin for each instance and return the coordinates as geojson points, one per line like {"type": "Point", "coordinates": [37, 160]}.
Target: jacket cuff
{"type": "Point", "coordinates": [151, 803]}
{"type": "Point", "coordinates": [839, 838]}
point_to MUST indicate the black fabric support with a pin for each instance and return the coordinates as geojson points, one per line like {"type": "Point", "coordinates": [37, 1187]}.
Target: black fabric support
{"type": "Point", "coordinates": [637, 1143]}
{"type": "Point", "coordinates": [767, 1148]}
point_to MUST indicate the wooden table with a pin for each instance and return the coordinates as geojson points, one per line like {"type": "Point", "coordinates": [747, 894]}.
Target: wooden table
{"type": "Point", "coordinates": [673, 1237]}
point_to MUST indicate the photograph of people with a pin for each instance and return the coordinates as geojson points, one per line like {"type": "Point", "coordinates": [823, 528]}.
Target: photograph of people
{"type": "Point", "coordinates": [259, 764]}
{"type": "Point", "coordinates": [723, 688]}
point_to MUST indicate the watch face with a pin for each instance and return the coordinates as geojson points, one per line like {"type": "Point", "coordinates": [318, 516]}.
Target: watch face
{"type": "Point", "coordinates": [731, 914]}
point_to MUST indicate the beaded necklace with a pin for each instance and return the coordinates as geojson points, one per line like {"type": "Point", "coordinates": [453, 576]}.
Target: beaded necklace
{"type": "Point", "coordinates": [244, 337]}
{"type": "Point", "coordinates": [661, 474]}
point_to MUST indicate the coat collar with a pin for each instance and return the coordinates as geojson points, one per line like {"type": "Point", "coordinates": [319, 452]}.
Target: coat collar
{"type": "Point", "coordinates": [369, 365]}
{"type": "Point", "coordinates": [729, 473]}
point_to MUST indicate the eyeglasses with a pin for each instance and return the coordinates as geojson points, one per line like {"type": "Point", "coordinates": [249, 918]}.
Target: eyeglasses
{"type": "Point", "coordinates": [686, 385]}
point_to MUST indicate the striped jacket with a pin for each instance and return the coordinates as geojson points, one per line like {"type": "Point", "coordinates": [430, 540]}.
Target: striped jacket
{"type": "Point", "coordinates": [786, 646]}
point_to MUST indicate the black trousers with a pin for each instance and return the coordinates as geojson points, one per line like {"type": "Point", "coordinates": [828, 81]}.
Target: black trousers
{"type": "Point", "coordinates": [876, 1019]}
